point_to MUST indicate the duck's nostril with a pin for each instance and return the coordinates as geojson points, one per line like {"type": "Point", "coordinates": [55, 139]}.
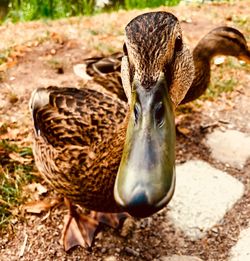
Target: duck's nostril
{"type": "Point", "coordinates": [159, 114]}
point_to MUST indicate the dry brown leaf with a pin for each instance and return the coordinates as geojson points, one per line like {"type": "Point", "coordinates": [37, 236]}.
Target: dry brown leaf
{"type": "Point", "coordinates": [58, 38]}
{"type": "Point", "coordinates": [21, 48]}
{"type": "Point", "coordinates": [11, 63]}
{"type": "Point", "coordinates": [37, 187]}
{"type": "Point", "coordinates": [37, 207]}
{"type": "Point", "coordinates": [3, 67]}
{"type": "Point", "coordinates": [10, 134]}
{"type": "Point", "coordinates": [183, 130]}
{"type": "Point", "coordinates": [16, 157]}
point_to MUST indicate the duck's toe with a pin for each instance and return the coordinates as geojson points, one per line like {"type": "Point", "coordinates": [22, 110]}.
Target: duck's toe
{"type": "Point", "coordinates": [111, 219]}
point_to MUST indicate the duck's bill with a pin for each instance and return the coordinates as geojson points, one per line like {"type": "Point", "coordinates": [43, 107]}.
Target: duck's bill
{"type": "Point", "coordinates": [146, 177]}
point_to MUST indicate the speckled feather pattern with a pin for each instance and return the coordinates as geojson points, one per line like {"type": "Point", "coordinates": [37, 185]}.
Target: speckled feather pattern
{"type": "Point", "coordinates": [106, 72]}
{"type": "Point", "coordinates": [151, 43]}
{"type": "Point", "coordinates": [78, 144]}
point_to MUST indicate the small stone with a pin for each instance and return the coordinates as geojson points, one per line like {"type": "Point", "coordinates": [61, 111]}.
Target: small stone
{"type": "Point", "coordinates": [110, 258]}
{"type": "Point", "coordinates": [215, 230]}
{"type": "Point", "coordinates": [230, 147]}
{"type": "Point", "coordinates": [202, 197]}
{"type": "Point", "coordinates": [99, 236]}
{"type": "Point", "coordinates": [131, 251]}
{"type": "Point", "coordinates": [103, 250]}
{"type": "Point", "coordinates": [53, 51]}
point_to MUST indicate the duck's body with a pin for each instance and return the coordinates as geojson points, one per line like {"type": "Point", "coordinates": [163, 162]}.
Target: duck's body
{"type": "Point", "coordinates": [79, 137]}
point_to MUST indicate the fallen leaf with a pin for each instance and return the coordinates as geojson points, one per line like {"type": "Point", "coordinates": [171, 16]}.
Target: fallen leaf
{"type": "Point", "coordinates": [183, 130]}
{"type": "Point", "coordinates": [37, 207]}
{"type": "Point", "coordinates": [16, 157]}
{"type": "Point", "coordinates": [8, 133]}
{"type": "Point", "coordinates": [37, 187]}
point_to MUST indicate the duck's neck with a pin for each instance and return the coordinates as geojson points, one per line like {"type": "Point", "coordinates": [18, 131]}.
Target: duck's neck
{"type": "Point", "coordinates": [202, 57]}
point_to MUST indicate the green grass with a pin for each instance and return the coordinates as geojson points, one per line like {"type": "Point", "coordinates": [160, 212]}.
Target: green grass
{"type": "Point", "coordinates": [13, 176]}
{"type": "Point", "coordinates": [224, 78]}
{"type": "Point", "coordinates": [132, 4]}
{"type": "Point", "coordinates": [27, 10]}
{"type": "Point", "coordinates": [221, 86]}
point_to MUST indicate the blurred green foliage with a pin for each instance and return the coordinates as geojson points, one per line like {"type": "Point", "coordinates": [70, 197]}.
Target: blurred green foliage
{"type": "Point", "coordinates": [131, 4]}
{"type": "Point", "coordinates": [26, 10]}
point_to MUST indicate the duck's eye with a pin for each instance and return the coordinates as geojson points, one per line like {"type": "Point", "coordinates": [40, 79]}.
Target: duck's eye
{"type": "Point", "coordinates": [136, 112]}
{"type": "Point", "coordinates": [178, 44]}
{"type": "Point", "coordinates": [125, 50]}
{"type": "Point", "coordinates": [159, 114]}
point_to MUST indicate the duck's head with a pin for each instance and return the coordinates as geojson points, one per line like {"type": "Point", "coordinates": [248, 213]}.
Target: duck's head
{"type": "Point", "coordinates": [157, 70]}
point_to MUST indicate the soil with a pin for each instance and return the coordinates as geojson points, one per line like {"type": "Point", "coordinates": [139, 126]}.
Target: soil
{"type": "Point", "coordinates": [43, 54]}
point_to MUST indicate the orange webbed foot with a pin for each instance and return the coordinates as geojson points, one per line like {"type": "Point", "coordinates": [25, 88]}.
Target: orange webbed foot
{"type": "Point", "coordinates": [79, 230]}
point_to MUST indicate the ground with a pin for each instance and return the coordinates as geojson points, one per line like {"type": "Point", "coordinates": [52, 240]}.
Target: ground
{"type": "Point", "coordinates": [43, 53]}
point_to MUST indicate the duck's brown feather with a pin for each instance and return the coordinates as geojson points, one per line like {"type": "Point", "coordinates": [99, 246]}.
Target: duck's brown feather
{"type": "Point", "coordinates": [106, 72]}
{"type": "Point", "coordinates": [73, 129]}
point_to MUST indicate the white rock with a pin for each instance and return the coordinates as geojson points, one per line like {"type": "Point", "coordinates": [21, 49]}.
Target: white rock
{"type": "Point", "coordinates": [202, 197]}
{"type": "Point", "coordinates": [232, 147]}
{"type": "Point", "coordinates": [241, 251]}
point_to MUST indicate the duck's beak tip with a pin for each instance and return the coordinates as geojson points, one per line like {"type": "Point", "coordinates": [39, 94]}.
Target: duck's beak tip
{"type": "Point", "coordinates": [141, 204]}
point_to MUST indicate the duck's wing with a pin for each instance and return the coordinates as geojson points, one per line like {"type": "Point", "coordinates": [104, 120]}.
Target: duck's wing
{"type": "Point", "coordinates": [104, 64]}
{"type": "Point", "coordinates": [106, 71]}
{"type": "Point", "coordinates": [69, 116]}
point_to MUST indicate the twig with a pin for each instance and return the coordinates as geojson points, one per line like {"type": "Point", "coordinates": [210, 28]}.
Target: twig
{"type": "Point", "coordinates": [4, 202]}
{"type": "Point", "coordinates": [23, 246]}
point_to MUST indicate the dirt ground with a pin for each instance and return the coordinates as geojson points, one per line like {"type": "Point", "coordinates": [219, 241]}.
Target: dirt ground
{"type": "Point", "coordinates": [43, 53]}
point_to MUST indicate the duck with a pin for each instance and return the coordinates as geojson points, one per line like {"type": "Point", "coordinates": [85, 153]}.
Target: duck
{"type": "Point", "coordinates": [111, 153]}
{"type": "Point", "coordinates": [223, 40]}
